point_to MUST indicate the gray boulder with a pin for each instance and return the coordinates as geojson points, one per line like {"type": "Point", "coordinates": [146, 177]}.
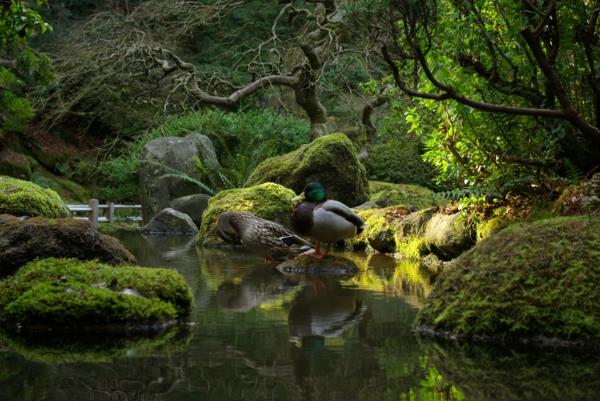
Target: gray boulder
{"type": "Point", "coordinates": [447, 236]}
{"type": "Point", "coordinates": [173, 167]}
{"type": "Point", "coordinates": [170, 222]}
{"type": "Point", "coordinates": [192, 205]}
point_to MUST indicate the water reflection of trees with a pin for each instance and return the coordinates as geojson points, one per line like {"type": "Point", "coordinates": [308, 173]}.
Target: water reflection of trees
{"type": "Point", "coordinates": [404, 278]}
{"type": "Point", "coordinates": [490, 373]}
{"type": "Point", "coordinates": [264, 336]}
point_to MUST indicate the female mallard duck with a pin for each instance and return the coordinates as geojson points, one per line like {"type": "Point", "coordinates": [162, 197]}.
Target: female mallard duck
{"type": "Point", "coordinates": [264, 237]}
{"type": "Point", "coordinates": [324, 220]}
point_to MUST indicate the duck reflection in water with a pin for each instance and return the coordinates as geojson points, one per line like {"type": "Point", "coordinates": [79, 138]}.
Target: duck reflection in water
{"type": "Point", "coordinates": [260, 285]}
{"type": "Point", "coordinates": [323, 309]}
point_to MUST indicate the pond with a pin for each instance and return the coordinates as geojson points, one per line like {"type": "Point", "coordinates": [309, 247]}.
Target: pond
{"type": "Point", "coordinates": [257, 334]}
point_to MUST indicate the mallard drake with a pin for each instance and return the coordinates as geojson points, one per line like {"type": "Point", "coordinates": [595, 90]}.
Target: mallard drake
{"type": "Point", "coordinates": [324, 220]}
{"type": "Point", "coordinates": [263, 237]}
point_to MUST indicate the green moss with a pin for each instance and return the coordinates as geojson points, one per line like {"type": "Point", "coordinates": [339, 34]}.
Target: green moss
{"type": "Point", "coordinates": [331, 159]}
{"type": "Point", "coordinates": [491, 226]}
{"type": "Point", "coordinates": [530, 279]}
{"type": "Point", "coordinates": [379, 231]}
{"type": "Point", "coordinates": [580, 199]}
{"type": "Point", "coordinates": [386, 194]}
{"type": "Point", "coordinates": [269, 201]}
{"type": "Point", "coordinates": [68, 292]}
{"type": "Point", "coordinates": [23, 198]}
{"type": "Point", "coordinates": [116, 228]}
{"type": "Point", "coordinates": [411, 247]}
{"type": "Point", "coordinates": [447, 236]}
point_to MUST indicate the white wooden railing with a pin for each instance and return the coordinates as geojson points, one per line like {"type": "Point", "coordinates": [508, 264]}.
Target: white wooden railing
{"type": "Point", "coordinates": [93, 211]}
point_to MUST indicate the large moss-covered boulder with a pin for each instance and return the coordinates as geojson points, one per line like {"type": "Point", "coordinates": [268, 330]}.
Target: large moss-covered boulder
{"type": "Point", "coordinates": [71, 294]}
{"type": "Point", "coordinates": [447, 236]}
{"type": "Point", "coordinates": [530, 281]}
{"type": "Point", "coordinates": [22, 241]}
{"type": "Point", "coordinates": [330, 159]}
{"type": "Point", "coordinates": [269, 201]}
{"type": "Point", "coordinates": [172, 167]}
{"type": "Point", "coordinates": [24, 198]}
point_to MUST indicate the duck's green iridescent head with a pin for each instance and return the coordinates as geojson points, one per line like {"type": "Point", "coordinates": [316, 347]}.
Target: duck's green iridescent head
{"type": "Point", "coordinates": [315, 192]}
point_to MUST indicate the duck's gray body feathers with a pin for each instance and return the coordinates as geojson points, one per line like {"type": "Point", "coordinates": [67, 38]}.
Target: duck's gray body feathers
{"type": "Point", "coordinates": [332, 221]}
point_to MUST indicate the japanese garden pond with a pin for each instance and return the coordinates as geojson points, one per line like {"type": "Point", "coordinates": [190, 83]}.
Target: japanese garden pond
{"type": "Point", "coordinates": [258, 334]}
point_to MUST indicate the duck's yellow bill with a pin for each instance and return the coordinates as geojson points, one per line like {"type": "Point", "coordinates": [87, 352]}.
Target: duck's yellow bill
{"type": "Point", "coordinates": [299, 198]}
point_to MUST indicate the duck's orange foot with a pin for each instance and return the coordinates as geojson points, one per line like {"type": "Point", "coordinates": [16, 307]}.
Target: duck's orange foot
{"type": "Point", "coordinates": [315, 254]}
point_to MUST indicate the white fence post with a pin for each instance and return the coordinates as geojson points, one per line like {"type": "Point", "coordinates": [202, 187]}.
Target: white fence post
{"type": "Point", "coordinates": [94, 212]}
{"type": "Point", "coordinates": [111, 212]}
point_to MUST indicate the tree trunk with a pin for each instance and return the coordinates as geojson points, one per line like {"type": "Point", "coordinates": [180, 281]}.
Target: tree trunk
{"type": "Point", "coordinates": [307, 98]}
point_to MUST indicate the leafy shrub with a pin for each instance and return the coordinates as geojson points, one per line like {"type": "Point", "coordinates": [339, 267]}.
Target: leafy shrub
{"type": "Point", "coordinates": [242, 140]}
{"type": "Point", "coordinates": [399, 161]}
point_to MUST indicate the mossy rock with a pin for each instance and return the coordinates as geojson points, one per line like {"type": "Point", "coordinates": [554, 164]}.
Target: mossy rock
{"type": "Point", "coordinates": [269, 201]}
{"type": "Point", "coordinates": [387, 194]}
{"type": "Point", "coordinates": [330, 159]}
{"type": "Point", "coordinates": [23, 198]}
{"type": "Point", "coordinates": [381, 225]}
{"type": "Point", "coordinates": [492, 226]}
{"type": "Point", "coordinates": [528, 282]}
{"type": "Point", "coordinates": [581, 198]}
{"type": "Point", "coordinates": [71, 294]}
{"type": "Point", "coordinates": [22, 241]}
{"type": "Point", "coordinates": [447, 236]}
{"type": "Point", "coordinates": [393, 229]}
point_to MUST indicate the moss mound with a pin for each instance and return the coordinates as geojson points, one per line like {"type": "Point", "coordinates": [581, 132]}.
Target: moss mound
{"type": "Point", "coordinates": [531, 281]}
{"type": "Point", "coordinates": [269, 201]}
{"type": "Point", "coordinates": [386, 194]}
{"type": "Point", "coordinates": [71, 294]}
{"type": "Point", "coordinates": [330, 159]}
{"type": "Point", "coordinates": [23, 241]}
{"type": "Point", "coordinates": [23, 198]}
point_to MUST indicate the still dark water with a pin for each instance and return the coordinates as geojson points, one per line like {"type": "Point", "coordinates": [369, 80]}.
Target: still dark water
{"type": "Point", "coordinates": [256, 334]}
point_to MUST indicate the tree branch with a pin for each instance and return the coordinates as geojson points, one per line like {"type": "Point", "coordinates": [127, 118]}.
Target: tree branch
{"type": "Point", "coordinates": [10, 64]}
{"type": "Point", "coordinates": [448, 92]}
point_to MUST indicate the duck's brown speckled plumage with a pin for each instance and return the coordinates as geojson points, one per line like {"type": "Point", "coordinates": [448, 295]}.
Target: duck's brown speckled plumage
{"type": "Point", "coordinates": [259, 235]}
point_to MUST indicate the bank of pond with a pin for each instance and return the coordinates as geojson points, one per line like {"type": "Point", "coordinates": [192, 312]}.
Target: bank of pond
{"type": "Point", "coordinates": [423, 303]}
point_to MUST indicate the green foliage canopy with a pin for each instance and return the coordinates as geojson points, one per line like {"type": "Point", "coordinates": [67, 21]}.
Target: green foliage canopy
{"type": "Point", "coordinates": [20, 65]}
{"type": "Point", "coordinates": [505, 94]}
